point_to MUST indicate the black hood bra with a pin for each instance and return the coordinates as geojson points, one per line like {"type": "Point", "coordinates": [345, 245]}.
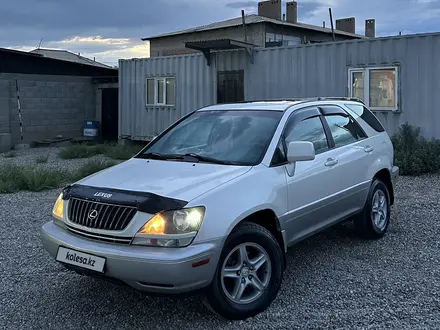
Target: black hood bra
{"type": "Point", "coordinates": [143, 201]}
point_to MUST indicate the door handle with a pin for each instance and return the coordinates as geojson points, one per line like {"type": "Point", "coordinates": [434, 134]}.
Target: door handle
{"type": "Point", "coordinates": [331, 162]}
{"type": "Point", "coordinates": [368, 149]}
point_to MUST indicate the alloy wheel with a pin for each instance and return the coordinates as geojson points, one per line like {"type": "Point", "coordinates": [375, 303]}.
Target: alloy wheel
{"type": "Point", "coordinates": [246, 273]}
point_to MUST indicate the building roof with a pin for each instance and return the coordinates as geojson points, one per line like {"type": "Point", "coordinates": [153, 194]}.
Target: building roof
{"type": "Point", "coordinates": [16, 61]}
{"type": "Point", "coordinates": [253, 19]}
{"type": "Point", "coordinates": [65, 55]}
{"type": "Point", "coordinates": [16, 52]}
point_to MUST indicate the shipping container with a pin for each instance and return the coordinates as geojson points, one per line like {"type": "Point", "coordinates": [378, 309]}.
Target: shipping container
{"type": "Point", "coordinates": [395, 76]}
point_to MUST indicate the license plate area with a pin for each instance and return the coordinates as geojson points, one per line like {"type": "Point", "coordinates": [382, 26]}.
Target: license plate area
{"type": "Point", "coordinates": [81, 259]}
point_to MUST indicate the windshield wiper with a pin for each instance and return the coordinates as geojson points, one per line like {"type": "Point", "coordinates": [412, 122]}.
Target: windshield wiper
{"type": "Point", "coordinates": [209, 159]}
{"type": "Point", "coordinates": [155, 155]}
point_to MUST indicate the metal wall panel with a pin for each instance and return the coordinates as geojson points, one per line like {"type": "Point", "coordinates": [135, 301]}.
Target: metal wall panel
{"type": "Point", "coordinates": [195, 87]}
{"type": "Point", "coordinates": [298, 71]}
{"type": "Point", "coordinates": [322, 70]}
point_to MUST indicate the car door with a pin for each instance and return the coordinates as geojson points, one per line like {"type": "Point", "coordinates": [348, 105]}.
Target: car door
{"type": "Point", "coordinates": [351, 155]}
{"type": "Point", "coordinates": [310, 184]}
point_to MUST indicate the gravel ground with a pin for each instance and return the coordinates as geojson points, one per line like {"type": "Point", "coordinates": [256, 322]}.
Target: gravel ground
{"type": "Point", "coordinates": [30, 156]}
{"type": "Point", "coordinates": [333, 280]}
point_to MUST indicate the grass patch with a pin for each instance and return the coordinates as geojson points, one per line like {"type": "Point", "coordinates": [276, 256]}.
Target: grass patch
{"type": "Point", "coordinates": [414, 154]}
{"type": "Point", "coordinates": [10, 154]}
{"type": "Point", "coordinates": [90, 168]}
{"type": "Point", "coordinates": [80, 150]}
{"type": "Point", "coordinates": [113, 151]}
{"type": "Point", "coordinates": [42, 159]}
{"type": "Point", "coordinates": [119, 152]}
{"type": "Point", "coordinates": [15, 178]}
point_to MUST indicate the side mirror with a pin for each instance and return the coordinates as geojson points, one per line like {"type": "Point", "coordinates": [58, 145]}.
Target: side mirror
{"type": "Point", "coordinates": [298, 151]}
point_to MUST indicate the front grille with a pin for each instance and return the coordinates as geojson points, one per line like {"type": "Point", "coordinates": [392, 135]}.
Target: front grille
{"type": "Point", "coordinates": [100, 237]}
{"type": "Point", "coordinates": [97, 215]}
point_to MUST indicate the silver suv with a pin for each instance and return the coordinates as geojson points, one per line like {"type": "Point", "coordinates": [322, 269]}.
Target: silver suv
{"type": "Point", "coordinates": [214, 202]}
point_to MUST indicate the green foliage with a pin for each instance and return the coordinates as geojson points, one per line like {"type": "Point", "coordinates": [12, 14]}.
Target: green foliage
{"type": "Point", "coordinates": [414, 154]}
{"type": "Point", "coordinates": [15, 178]}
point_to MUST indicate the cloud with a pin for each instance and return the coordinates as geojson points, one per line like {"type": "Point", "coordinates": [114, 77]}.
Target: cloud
{"type": "Point", "coordinates": [105, 50]}
{"type": "Point", "coordinates": [96, 40]}
{"type": "Point", "coordinates": [108, 29]}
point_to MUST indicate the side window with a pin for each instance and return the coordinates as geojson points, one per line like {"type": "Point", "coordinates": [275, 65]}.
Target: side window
{"type": "Point", "coordinates": [367, 116]}
{"type": "Point", "coordinates": [279, 156]}
{"type": "Point", "coordinates": [311, 130]}
{"type": "Point", "coordinates": [344, 130]}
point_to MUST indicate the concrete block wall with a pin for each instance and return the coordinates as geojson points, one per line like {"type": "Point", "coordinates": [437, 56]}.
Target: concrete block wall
{"type": "Point", "coordinates": [50, 105]}
{"type": "Point", "coordinates": [4, 106]}
{"type": "Point", "coordinates": [5, 136]}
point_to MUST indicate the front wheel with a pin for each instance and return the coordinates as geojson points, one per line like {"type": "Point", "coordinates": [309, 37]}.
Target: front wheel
{"type": "Point", "coordinates": [248, 275]}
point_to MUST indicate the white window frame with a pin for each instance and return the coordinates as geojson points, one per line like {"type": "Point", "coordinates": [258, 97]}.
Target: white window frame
{"type": "Point", "coordinates": [366, 72]}
{"type": "Point", "coordinates": [156, 95]}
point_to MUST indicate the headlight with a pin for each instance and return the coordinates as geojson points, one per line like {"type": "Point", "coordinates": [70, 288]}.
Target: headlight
{"type": "Point", "coordinates": [58, 208]}
{"type": "Point", "coordinates": [171, 229]}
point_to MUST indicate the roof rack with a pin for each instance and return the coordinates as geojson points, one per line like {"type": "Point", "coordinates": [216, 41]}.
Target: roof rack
{"type": "Point", "coordinates": [307, 99]}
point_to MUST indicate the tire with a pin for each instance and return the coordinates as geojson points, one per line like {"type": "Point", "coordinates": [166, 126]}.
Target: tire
{"type": "Point", "coordinates": [219, 295]}
{"type": "Point", "coordinates": [365, 225]}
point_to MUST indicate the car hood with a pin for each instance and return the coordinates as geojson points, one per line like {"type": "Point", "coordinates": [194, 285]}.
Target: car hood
{"type": "Point", "coordinates": [174, 179]}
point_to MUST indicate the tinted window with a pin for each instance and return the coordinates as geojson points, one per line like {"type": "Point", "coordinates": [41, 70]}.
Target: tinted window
{"type": "Point", "coordinates": [239, 137]}
{"type": "Point", "coordinates": [344, 130]}
{"type": "Point", "coordinates": [311, 130]}
{"type": "Point", "coordinates": [367, 116]}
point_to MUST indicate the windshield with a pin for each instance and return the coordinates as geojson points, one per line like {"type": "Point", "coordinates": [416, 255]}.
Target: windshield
{"type": "Point", "coordinates": [238, 137]}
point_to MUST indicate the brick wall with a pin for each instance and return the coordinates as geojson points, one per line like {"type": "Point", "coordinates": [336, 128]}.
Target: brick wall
{"type": "Point", "coordinates": [50, 106]}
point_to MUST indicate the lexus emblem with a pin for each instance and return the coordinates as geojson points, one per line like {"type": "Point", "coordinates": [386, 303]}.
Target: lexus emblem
{"type": "Point", "coordinates": [93, 214]}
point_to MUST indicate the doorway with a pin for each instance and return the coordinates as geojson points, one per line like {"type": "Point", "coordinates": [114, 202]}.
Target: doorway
{"type": "Point", "coordinates": [109, 110]}
{"type": "Point", "coordinates": [230, 86]}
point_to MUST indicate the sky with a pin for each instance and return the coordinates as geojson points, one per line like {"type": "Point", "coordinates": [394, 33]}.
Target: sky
{"type": "Point", "coordinates": [112, 29]}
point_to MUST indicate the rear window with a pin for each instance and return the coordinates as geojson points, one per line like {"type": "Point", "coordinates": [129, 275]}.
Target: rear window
{"type": "Point", "coordinates": [367, 116]}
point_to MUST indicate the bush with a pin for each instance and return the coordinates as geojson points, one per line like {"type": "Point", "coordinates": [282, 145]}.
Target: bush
{"type": "Point", "coordinates": [9, 178]}
{"type": "Point", "coordinates": [39, 179]}
{"type": "Point", "coordinates": [119, 152]}
{"type": "Point", "coordinates": [414, 154]}
{"type": "Point", "coordinates": [15, 178]}
{"type": "Point", "coordinates": [90, 168]}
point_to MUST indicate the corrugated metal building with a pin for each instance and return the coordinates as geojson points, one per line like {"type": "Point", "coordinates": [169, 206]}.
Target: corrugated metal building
{"type": "Point", "coordinates": [396, 77]}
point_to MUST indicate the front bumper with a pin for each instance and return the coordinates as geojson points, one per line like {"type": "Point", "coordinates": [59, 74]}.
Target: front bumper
{"type": "Point", "coordinates": [151, 269]}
